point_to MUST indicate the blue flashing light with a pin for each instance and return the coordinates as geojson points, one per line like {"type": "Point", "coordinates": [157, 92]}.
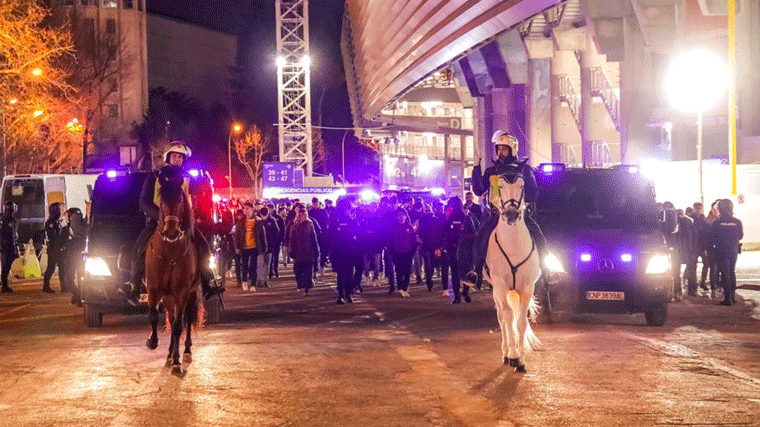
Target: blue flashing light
{"type": "Point", "coordinates": [585, 257]}
{"type": "Point", "coordinates": [111, 174]}
{"type": "Point", "coordinates": [437, 191]}
{"type": "Point", "coordinates": [548, 168]}
{"type": "Point", "coordinates": [195, 173]}
{"type": "Point", "coordinates": [626, 257]}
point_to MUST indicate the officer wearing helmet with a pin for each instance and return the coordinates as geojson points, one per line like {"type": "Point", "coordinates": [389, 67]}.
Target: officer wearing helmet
{"type": "Point", "coordinates": [8, 242]}
{"type": "Point", "coordinates": [175, 157]}
{"type": "Point", "coordinates": [506, 146]}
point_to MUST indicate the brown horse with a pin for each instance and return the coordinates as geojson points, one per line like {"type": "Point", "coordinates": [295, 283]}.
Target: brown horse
{"type": "Point", "coordinates": [171, 267]}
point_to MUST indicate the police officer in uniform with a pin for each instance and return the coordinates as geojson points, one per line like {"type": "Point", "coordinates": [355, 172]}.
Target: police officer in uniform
{"type": "Point", "coordinates": [52, 232]}
{"type": "Point", "coordinates": [506, 149]}
{"type": "Point", "coordinates": [175, 156]}
{"type": "Point", "coordinates": [727, 232]}
{"type": "Point", "coordinates": [8, 242]}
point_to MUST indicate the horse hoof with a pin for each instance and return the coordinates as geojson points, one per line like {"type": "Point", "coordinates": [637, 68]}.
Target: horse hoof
{"type": "Point", "coordinates": [514, 363]}
{"type": "Point", "coordinates": [520, 369]}
{"type": "Point", "coordinates": [187, 357]}
{"type": "Point", "coordinates": [506, 361]}
{"type": "Point", "coordinates": [169, 361]}
{"type": "Point", "coordinates": [151, 343]}
{"type": "Point", "coordinates": [177, 369]}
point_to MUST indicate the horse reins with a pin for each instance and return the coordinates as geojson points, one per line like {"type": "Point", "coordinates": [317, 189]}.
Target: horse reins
{"type": "Point", "coordinates": [511, 266]}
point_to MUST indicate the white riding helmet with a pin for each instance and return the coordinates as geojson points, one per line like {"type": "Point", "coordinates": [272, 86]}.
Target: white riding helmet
{"type": "Point", "coordinates": [511, 141]}
{"type": "Point", "coordinates": [177, 147]}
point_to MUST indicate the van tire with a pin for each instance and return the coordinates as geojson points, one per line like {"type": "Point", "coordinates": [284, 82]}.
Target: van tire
{"type": "Point", "coordinates": [213, 308]}
{"type": "Point", "coordinates": [92, 317]}
{"type": "Point", "coordinates": [656, 315]}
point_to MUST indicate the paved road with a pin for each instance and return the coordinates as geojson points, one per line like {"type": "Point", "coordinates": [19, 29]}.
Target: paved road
{"type": "Point", "coordinates": [283, 359]}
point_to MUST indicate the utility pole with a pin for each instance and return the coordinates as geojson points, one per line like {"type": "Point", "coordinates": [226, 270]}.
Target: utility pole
{"type": "Point", "coordinates": [293, 83]}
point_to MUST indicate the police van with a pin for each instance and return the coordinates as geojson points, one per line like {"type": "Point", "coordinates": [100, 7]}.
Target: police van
{"type": "Point", "coordinates": [607, 251]}
{"type": "Point", "coordinates": [34, 193]}
{"type": "Point", "coordinates": [115, 222]}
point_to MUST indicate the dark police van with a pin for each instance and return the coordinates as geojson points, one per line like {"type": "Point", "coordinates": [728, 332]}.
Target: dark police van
{"type": "Point", "coordinates": [115, 222]}
{"type": "Point", "coordinates": [607, 251]}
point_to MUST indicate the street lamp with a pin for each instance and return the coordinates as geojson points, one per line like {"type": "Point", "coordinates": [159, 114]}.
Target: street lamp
{"type": "Point", "coordinates": [38, 113]}
{"type": "Point", "coordinates": [695, 82]}
{"type": "Point", "coordinates": [37, 72]}
{"type": "Point", "coordinates": [236, 128]}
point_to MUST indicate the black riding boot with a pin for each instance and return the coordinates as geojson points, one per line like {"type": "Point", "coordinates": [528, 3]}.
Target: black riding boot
{"type": "Point", "coordinates": [480, 250]}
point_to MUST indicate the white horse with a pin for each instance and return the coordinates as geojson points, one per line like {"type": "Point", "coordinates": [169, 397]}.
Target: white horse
{"type": "Point", "coordinates": [512, 267]}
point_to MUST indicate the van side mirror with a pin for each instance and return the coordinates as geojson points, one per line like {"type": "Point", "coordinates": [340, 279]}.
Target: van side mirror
{"type": "Point", "coordinates": [668, 221]}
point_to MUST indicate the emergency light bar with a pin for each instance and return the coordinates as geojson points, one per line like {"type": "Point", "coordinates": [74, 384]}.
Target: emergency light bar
{"type": "Point", "coordinates": [194, 173]}
{"type": "Point", "coordinates": [113, 174]}
{"type": "Point", "coordinates": [633, 169]}
{"type": "Point", "coordinates": [551, 167]}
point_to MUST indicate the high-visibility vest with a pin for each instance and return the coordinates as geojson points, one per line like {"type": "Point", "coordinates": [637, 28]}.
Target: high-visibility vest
{"type": "Point", "coordinates": [185, 189]}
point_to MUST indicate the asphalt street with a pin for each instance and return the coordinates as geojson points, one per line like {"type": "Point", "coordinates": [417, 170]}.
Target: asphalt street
{"type": "Point", "coordinates": [279, 358]}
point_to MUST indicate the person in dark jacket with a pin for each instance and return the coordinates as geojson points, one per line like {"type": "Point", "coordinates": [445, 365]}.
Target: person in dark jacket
{"type": "Point", "coordinates": [304, 249]}
{"type": "Point", "coordinates": [403, 243]}
{"type": "Point", "coordinates": [458, 227]}
{"type": "Point", "coordinates": [271, 232]}
{"type": "Point", "coordinates": [72, 242]}
{"type": "Point", "coordinates": [727, 233]}
{"type": "Point", "coordinates": [319, 215]}
{"type": "Point", "coordinates": [250, 241]}
{"type": "Point", "coordinates": [506, 148]}
{"type": "Point", "coordinates": [712, 258]}
{"type": "Point", "coordinates": [473, 207]}
{"type": "Point", "coordinates": [274, 269]}
{"type": "Point", "coordinates": [432, 229]}
{"type": "Point", "coordinates": [175, 157]}
{"type": "Point", "coordinates": [387, 215]}
{"type": "Point", "coordinates": [688, 250]}
{"type": "Point", "coordinates": [700, 223]}
{"type": "Point", "coordinates": [52, 231]}
{"type": "Point", "coordinates": [346, 255]}
{"type": "Point", "coordinates": [8, 242]}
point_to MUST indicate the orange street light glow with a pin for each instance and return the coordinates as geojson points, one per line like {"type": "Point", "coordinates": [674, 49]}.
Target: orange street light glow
{"type": "Point", "coordinates": [237, 127]}
{"type": "Point", "coordinates": [14, 101]}
{"type": "Point", "coordinates": [37, 113]}
{"type": "Point", "coordinates": [37, 72]}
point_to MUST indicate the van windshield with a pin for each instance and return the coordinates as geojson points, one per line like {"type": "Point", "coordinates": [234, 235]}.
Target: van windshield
{"type": "Point", "coordinates": [603, 199]}
{"type": "Point", "coordinates": [117, 197]}
{"type": "Point", "coordinates": [28, 194]}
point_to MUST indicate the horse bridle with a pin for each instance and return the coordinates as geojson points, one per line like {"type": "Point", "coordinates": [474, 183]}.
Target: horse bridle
{"type": "Point", "coordinates": [512, 202]}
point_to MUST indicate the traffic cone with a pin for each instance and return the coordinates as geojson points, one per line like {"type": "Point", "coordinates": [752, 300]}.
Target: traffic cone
{"type": "Point", "coordinates": [31, 263]}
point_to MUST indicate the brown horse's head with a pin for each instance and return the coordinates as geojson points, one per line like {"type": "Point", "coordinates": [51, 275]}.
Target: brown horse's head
{"type": "Point", "coordinates": [175, 209]}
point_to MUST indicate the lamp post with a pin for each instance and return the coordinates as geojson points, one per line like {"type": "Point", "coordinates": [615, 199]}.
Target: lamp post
{"type": "Point", "coordinates": [695, 82]}
{"type": "Point", "coordinates": [236, 128]}
{"type": "Point", "coordinates": [343, 156]}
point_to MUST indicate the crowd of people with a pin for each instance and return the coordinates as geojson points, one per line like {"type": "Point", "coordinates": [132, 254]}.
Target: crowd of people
{"type": "Point", "coordinates": [714, 240]}
{"type": "Point", "coordinates": [402, 239]}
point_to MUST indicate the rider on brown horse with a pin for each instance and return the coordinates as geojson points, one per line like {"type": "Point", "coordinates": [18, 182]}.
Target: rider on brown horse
{"type": "Point", "coordinates": [175, 156]}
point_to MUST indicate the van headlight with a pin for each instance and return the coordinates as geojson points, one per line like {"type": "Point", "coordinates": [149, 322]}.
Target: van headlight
{"type": "Point", "coordinates": [658, 264]}
{"type": "Point", "coordinates": [553, 264]}
{"type": "Point", "coordinates": [96, 266]}
{"type": "Point", "coordinates": [212, 263]}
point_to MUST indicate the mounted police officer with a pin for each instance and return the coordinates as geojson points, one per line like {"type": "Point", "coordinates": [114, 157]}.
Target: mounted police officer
{"type": "Point", "coordinates": [506, 146]}
{"type": "Point", "coordinates": [176, 156]}
{"type": "Point", "coordinates": [8, 242]}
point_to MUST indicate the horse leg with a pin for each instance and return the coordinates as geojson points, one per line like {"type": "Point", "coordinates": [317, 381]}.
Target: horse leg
{"type": "Point", "coordinates": [501, 313]}
{"type": "Point", "coordinates": [522, 326]}
{"type": "Point", "coordinates": [169, 311]}
{"type": "Point", "coordinates": [191, 316]}
{"type": "Point", "coordinates": [152, 341]}
{"type": "Point", "coordinates": [176, 334]}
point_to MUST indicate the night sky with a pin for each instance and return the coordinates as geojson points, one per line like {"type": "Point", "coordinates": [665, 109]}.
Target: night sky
{"type": "Point", "coordinates": [253, 21]}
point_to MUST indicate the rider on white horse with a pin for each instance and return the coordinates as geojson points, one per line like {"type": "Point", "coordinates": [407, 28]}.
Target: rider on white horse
{"type": "Point", "coordinates": [506, 148]}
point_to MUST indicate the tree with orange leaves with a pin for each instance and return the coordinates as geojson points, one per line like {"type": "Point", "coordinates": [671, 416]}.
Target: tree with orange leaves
{"type": "Point", "coordinates": [251, 148]}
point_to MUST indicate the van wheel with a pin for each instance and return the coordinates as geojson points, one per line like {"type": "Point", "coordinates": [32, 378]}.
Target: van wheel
{"type": "Point", "coordinates": [213, 308]}
{"type": "Point", "coordinates": [92, 317]}
{"type": "Point", "coordinates": [656, 315]}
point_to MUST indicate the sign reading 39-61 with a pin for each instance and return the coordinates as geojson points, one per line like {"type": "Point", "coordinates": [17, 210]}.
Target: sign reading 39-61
{"type": "Point", "coordinates": [277, 174]}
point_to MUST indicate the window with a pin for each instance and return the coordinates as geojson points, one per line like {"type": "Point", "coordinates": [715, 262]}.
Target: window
{"type": "Point", "coordinates": [110, 26]}
{"type": "Point", "coordinates": [110, 3]}
{"type": "Point", "coordinates": [139, 4]}
{"type": "Point", "coordinates": [127, 4]}
{"type": "Point", "coordinates": [112, 51]}
{"type": "Point", "coordinates": [88, 2]}
{"type": "Point", "coordinates": [127, 155]}
{"type": "Point", "coordinates": [113, 110]}
{"type": "Point", "coordinates": [88, 28]}
{"type": "Point", "coordinates": [112, 85]}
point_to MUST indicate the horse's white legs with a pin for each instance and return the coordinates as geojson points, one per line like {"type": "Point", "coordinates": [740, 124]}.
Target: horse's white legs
{"type": "Point", "coordinates": [522, 325]}
{"type": "Point", "coordinates": [503, 315]}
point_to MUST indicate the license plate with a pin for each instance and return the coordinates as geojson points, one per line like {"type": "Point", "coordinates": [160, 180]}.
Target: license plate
{"type": "Point", "coordinates": [144, 298]}
{"type": "Point", "coordinates": [605, 296]}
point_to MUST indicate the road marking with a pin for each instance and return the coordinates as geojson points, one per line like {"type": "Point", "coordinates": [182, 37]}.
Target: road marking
{"type": "Point", "coordinates": [40, 317]}
{"type": "Point", "coordinates": [679, 350]}
{"type": "Point", "coordinates": [14, 309]}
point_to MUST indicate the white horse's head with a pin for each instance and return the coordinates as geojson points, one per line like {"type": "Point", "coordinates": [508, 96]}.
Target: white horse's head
{"type": "Point", "coordinates": [511, 194]}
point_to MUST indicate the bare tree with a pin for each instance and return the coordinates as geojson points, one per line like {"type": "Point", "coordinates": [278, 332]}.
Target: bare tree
{"type": "Point", "coordinates": [372, 144]}
{"type": "Point", "coordinates": [251, 148]}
